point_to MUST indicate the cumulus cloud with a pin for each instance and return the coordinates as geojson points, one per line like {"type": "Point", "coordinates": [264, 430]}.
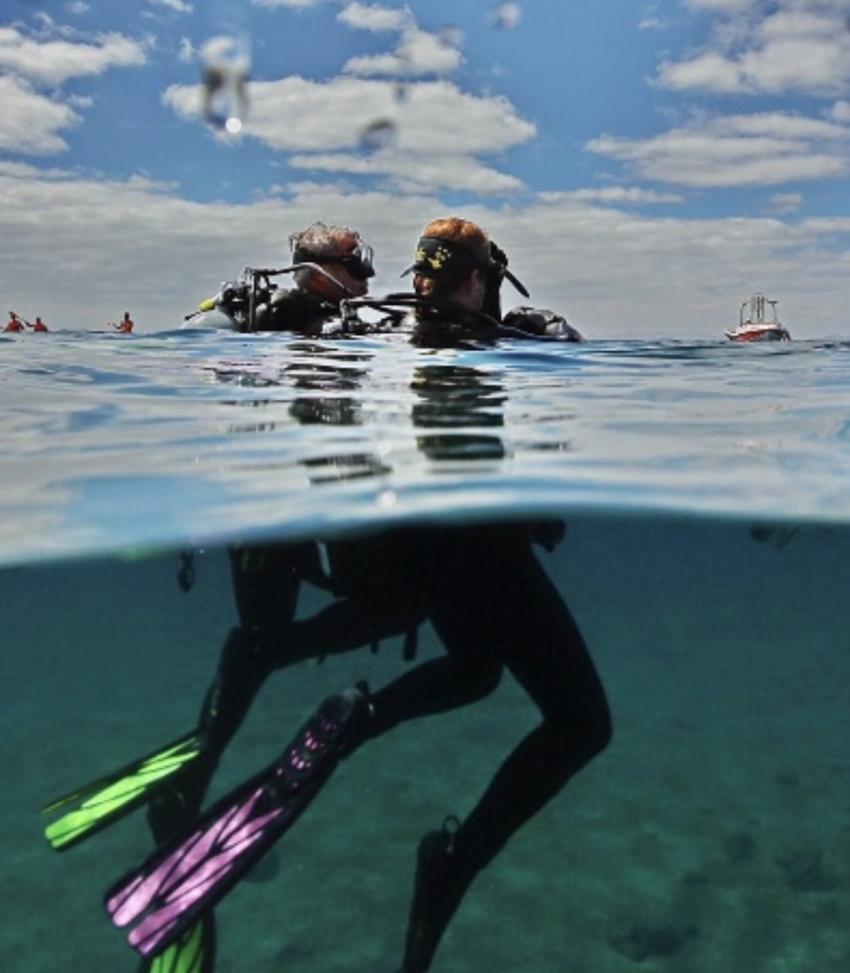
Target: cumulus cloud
{"type": "Point", "coordinates": [30, 122]}
{"type": "Point", "coordinates": [613, 195]}
{"type": "Point", "coordinates": [840, 112]}
{"type": "Point", "coordinates": [292, 4]}
{"type": "Point", "coordinates": [77, 7]}
{"type": "Point", "coordinates": [186, 51]}
{"type": "Point", "coordinates": [786, 202]}
{"type": "Point", "coordinates": [414, 172]}
{"type": "Point", "coordinates": [375, 17]}
{"type": "Point", "coordinates": [418, 53]}
{"type": "Point", "coordinates": [762, 149]}
{"type": "Point", "coordinates": [178, 6]}
{"type": "Point", "coordinates": [440, 129]}
{"type": "Point", "coordinates": [796, 46]}
{"type": "Point", "coordinates": [53, 61]}
{"type": "Point", "coordinates": [612, 271]}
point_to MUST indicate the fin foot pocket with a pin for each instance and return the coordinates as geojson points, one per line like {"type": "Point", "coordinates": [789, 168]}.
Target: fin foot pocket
{"type": "Point", "coordinates": [443, 876]}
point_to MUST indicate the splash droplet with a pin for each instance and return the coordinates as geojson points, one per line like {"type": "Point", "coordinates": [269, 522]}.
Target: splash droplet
{"type": "Point", "coordinates": [226, 62]}
{"type": "Point", "coordinates": [505, 16]}
{"type": "Point", "coordinates": [380, 134]}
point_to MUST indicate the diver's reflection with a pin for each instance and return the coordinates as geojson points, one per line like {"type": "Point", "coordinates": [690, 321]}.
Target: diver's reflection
{"type": "Point", "coordinates": [457, 399]}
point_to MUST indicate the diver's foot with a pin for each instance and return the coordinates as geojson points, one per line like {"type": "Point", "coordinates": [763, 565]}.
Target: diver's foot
{"type": "Point", "coordinates": [355, 708]}
{"type": "Point", "coordinates": [172, 809]}
{"type": "Point", "coordinates": [442, 877]}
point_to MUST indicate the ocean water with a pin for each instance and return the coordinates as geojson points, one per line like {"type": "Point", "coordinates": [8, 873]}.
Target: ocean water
{"type": "Point", "coordinates": [706, 558]}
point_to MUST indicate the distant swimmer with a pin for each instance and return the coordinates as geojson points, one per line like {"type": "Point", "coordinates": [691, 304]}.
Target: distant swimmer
{"type": "Point", "coordinates": [125, 326]}
{"type": "Point", "coordinates": [15, 323]}
{"type": "Point", "coordinates": [39, 325]}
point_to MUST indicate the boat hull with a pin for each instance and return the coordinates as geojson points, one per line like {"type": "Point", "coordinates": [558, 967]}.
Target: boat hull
{"type": "Point", "coordinates": [758, 334]}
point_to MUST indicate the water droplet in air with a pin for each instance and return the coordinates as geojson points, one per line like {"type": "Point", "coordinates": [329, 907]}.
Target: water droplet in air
{"type": "Point", "coordinates": [226, 62]}
{"type": "Point", "coordinates": [505, 16]}
{"type": "Point", "coordinates": [377, 135]}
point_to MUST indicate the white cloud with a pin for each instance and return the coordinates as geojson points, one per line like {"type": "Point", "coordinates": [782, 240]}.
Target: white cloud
{"type": "Point", "coordinates": [840, 112]}
{"type": "Point", "coordinates": [186, 51]}
{"type": "Point", "coordinates": [740, 150]}
{"type": "Point", "coordinates": [418, 53]}
{"type": "Point", "coordinates": [416, 172]}
{"type": "Point", "coordinates": [51, 62]}
{"type": "Point", "coordinates": [375, 17]}
{"type": "Point", "coordinates": [292, 4]}
{"type": "Point", "coordinates": [611, 272]}
{"type": "Point", "coordinates": [30, 122]}
{"type": "Point", "coordinates": [178, 6]}
{"type": "Point", "coordinates": [613, 196]}
{"type": "Point", "coordinates": [77, 7]}
{"type": "Point", "coordinates": [440, 129]}
{"type": "Point", "coordinates": [727, 6]}
{"type": "Point", "coordinates": [786, 202]}
{"type": "Point", "coordinates": [798, 45]}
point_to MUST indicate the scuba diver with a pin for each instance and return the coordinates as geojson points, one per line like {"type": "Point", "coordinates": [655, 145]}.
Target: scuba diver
{"type": "Point", "coordinates": [329, 263]}
{"type": "Point", "coordinates": [492, 605]}
{"type": "Point", "coordinates": [464, 279]}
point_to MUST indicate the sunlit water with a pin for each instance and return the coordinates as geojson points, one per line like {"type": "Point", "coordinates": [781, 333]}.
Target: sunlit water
{"type": "Point", "coordinates": [707, 561]}
{"type": "Point", "coordinates": [119, 441]}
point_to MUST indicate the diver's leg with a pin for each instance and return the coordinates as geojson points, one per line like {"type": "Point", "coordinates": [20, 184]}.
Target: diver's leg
{"type": "Point", "coordinates": [513, 605]}
{"type": "Point", "coordinates": [548, 657]}
{"type": "Point", "coordinates": [344, 625]}
{"type": "Point", "coordinates": [266, 581]}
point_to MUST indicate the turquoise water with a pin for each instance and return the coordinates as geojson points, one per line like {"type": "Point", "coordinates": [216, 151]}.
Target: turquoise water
{"type": "Point", "coordinates": [706, 560]}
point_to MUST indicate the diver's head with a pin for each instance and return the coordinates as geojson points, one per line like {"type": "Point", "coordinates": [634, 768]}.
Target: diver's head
{"type": "Point", "coordinates": [452, 262]}
{"type": "Point", "coordinates": [341, 252]}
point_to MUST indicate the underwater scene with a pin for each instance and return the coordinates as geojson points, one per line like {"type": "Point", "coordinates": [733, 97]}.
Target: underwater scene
{"type": "Point", "coordinates": [595, 595]}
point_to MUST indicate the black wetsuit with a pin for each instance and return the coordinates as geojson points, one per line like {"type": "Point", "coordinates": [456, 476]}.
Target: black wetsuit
{"type": "Point", "coordinates": [295, 310]}
{"type": "Point", "coordinates": [493, 607]}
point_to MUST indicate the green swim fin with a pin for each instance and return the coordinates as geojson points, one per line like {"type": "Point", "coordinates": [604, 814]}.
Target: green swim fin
{"type": "Point", "coordinates": [193, 952]}
{"type": "Point", "coordinates": [111, 797]}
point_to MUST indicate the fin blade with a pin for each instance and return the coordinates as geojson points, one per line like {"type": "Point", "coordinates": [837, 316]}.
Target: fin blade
{"type": "Point", "coordinates": [114, 795]}
{"type": "Point", "coordinates": [183, 879]}
{"type": "Point", "coordinates": [193, 952]}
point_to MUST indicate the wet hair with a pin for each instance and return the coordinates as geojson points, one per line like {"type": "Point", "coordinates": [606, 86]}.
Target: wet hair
{"type": "Point", "coordinates": [321, 243]}
{"type": "Point", "coordinates": [464, 233]}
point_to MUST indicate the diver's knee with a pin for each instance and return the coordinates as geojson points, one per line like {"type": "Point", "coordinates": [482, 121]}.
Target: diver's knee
{"type": "Point", "coordinates": [590, 730]}
{"type": "Point", "coordinates": [481, 678]}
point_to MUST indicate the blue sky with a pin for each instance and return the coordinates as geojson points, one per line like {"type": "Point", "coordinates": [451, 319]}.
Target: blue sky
{"type": "Point", "coordinates": [645, 165]}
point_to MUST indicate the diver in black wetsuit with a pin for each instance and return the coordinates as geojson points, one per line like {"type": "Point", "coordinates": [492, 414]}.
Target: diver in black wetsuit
{"type": "Point", "coordinates": [329, 263]}
{"type": "Point", "coordinates": [493, 606]}
{"type": "Point", "coordinates": [267, 578]}
{"type": "Point", "coordinates": [489, 600]}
